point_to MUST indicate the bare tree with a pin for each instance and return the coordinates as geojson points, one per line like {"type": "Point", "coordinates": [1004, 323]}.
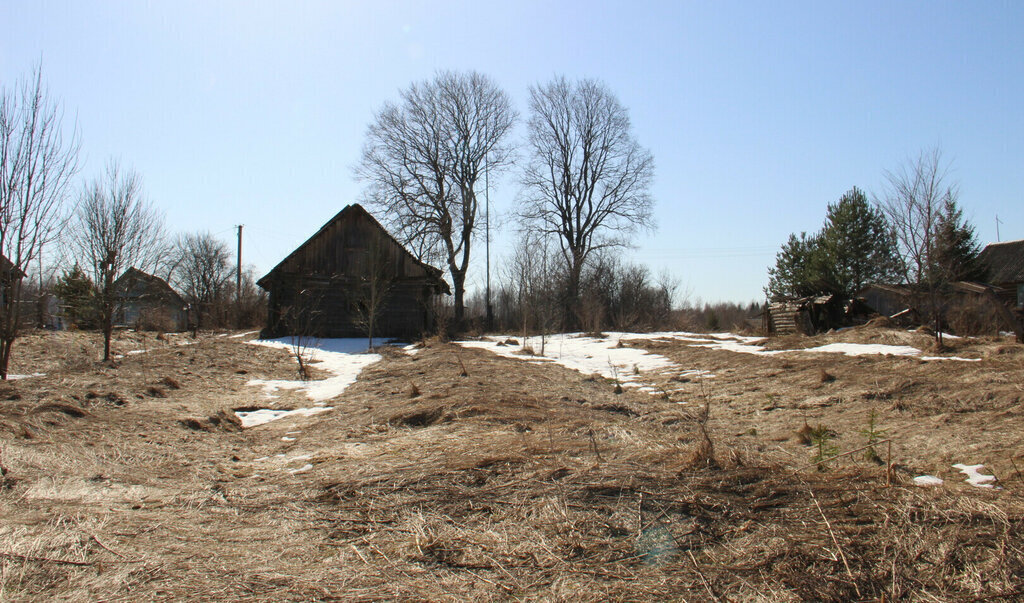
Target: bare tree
{"type": "Point", "coordinates": [303, 318]}
{"type": "Point", "coordinates": [423, 159]}
{"type": "Point", "coordinates": [534, 279]}
{"type": "Point", "coordinates": [203, 271]}
{"type": "Point", "coordinates": [913, 201]}
{"type": "Point", "coordinates": [114, 228]}
{"type": "Point", "coordinates": [370, 294]}
{"type": "Point", "coordinates": [37, 163]}
{"type": "Point", "coordinates": [588, 180]}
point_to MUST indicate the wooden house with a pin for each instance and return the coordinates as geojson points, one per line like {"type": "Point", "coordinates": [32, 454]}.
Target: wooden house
{"type": "Point", "coordinates": [323, 288]}
{"type": "Point", "coordinates": [1004, 270]}
{"type": "Point", "coordinates": [806, 315]}
{"type": "Point", "coordinates": [145, 301]}
{"type": "Point", "coordinates": [9, 276]}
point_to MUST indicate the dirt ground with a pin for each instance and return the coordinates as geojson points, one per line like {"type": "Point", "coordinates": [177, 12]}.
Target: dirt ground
{"type": "Point", "coordinates": [453, 474]}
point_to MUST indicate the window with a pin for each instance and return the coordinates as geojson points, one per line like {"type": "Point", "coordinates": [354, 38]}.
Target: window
{"type": "Point", "coordinates": [1020, 296]}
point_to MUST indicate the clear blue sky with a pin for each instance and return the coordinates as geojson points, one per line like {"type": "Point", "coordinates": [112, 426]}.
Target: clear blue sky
{"type": "Point", "coordinates": [758, 114]}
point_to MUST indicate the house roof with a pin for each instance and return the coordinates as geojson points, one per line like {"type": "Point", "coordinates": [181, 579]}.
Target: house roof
{"type": "Point", "coordinates": [1004, 262]}
{"type": "Point", "coordinates": [359, 209]}
{"type": "Point", "coordinates": [8, 271]}
{"type": "Point", "coordinates": [151, 286]}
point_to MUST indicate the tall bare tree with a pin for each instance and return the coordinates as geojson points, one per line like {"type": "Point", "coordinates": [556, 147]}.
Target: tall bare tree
{"type": "Point", "coordinates": [424, 158]}
{"type": "Point", "coordinates": [915, 196]}
{"type": "Point", "coordinates": [114, 228]}
{"type": "Point", "coordinates": [203, 271]}
{"type": "Point", "coordinates": [588, 180]}
{"type": "Point", "coordinates": [37, 163]}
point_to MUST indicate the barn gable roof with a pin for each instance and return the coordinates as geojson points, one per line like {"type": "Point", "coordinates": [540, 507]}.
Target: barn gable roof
{"type": "Point", "coordinates": [136, 284]}
{"type": "Point", "coordinates": [8, 271]}
{"type": "Point", "coordinates": [1004, 262]}
{"type": "Point", "coordinates": [359, 210]}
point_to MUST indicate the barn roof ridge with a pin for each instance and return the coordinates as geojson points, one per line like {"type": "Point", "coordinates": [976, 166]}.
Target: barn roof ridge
{"type": "Point", "coordinates": [148, 278]}
{"type": "Point", "coordinates": [436, 272]}
{"type": "Point", "coordinates": [1004, 261]}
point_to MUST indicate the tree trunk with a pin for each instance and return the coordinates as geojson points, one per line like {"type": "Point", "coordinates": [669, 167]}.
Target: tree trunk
{"type": "Point", "coordinates": [572, 302]}
{"type": "Point", "coordinates": [108, 328]}
{"type": "Point", "coordinates": [459, 289]}
{"type": "Point", "coordinates": [5, 355]}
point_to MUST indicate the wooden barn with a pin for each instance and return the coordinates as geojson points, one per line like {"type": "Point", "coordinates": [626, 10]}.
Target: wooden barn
{"type": "Point", "coordinates": [147, 302]}
{"type": "Point", "coordinates": [1004, 268]}
{"type": "Point", "coordinates": [350, 266]}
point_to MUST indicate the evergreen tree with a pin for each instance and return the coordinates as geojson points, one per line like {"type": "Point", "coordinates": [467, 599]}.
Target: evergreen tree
{"type": "Point", "coordinates": [78, 297]}
{"type": "Point", "coordinates": [797, 268]}
{"type": "Point", "coordinates": [955, 254]}
{"type": "Point", "coordinates": [856, 246]}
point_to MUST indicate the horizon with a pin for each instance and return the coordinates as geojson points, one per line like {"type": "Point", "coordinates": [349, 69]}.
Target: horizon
{"type": "Point", "coordinates": [757, 116]}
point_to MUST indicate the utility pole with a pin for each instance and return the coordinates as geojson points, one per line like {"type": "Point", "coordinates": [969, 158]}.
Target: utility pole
{"type": "Point", "coordinates": [487, 238]}
{"type": "Point", "coordinates": [238, 281]}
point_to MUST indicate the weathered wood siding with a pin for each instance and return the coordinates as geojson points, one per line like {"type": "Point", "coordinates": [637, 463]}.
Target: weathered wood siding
{"type": "Point", "coordinates": [327, 276]}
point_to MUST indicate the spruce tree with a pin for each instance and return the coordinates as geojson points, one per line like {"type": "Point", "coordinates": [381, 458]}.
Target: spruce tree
{"type": "Point", "coordinates": [78, 297]}
{"type": "Point", "coordinates": [797, 268]}
{"type": "Point", "coordinates": [956, 250]}
{"type": "Point", "coordinates": [856, 246]}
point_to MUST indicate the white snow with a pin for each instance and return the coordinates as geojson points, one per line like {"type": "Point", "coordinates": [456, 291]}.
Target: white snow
{"type": "Point", "coordinates": [865, 349]}
{"type": "Point", "coordinates": [974, 477]}
{"type": "Point", "coordinates": [343, 358]}
{"type": "Point", "coordinates": [301, 469]}
{"type": "Point", "coordinates": [13, 377]}
{"type": "Point", "coordinates": [588, 355]}
{"type": "Point", "coordinates": [928, 480]}
{"type": "Point", "coordinates": [266, 415]}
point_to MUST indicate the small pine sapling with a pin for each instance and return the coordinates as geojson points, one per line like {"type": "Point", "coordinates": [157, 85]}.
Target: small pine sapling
{"type": "Point", "coordinates": [873, 434]}
{"type": "Point", "coordinates": [821, 439]}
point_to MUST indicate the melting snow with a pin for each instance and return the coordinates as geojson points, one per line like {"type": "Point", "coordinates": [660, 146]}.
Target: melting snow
{"type": "Point", "coordinates": [266, 415]}
{"type": "Point", "coordinates": [344, 358]}
{"type": "Point", "coordinates": [12, 377]}
{"type": "Point", "coordinates": [974, 477]}
{"type": "Point", "coordinates": [587, 355]}
{"type": "Point", "coordinates": [927, 480]}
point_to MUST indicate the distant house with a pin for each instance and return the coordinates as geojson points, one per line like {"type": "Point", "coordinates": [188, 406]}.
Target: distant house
{"type": "Point", "coordinates": [148, 302]}
{"type": "Point", "coordinates": [1004, 267]}
{"type": "Point", "coordinates": [895, 301]}
{"type": "Point", "coordinates": [9, 274]}
{"type": "Point", "coordinates": [322, 287]}
{"type": "Point", "coordinates": [810, 315]}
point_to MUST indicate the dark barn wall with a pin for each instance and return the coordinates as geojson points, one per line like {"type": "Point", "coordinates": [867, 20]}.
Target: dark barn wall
{"type": "Point", "coordinates": [326, 277]}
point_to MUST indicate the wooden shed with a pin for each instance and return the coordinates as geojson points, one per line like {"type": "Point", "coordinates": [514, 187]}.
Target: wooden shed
{"type": "Point", "coordinates": [810, 315]}
{"type": "Point", "coordinates": [1004, 269]}
{"type": "Point", "coordinates": [322, 288]}
{"type": "Point", "coordinates": [145, 301]}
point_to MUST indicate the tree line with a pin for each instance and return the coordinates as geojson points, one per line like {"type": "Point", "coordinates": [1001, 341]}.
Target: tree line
{"type": "Point", "coordinates": [584, 192]}
{"type": "Point", "coordinates": [913, 234]}
{"type": "Point", "coordinates": [96, 232]}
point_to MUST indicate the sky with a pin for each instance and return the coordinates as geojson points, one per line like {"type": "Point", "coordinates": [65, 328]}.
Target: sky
{"type": "Point", "coordinates": [758, 114]}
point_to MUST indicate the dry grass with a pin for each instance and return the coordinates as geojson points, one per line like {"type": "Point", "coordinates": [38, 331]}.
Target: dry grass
{"type": "Point", "coordinates": [515, 481]}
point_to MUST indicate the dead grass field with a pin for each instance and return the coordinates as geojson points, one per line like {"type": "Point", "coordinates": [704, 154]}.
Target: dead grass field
{"type": "Point", "coordinates": [516, 481]}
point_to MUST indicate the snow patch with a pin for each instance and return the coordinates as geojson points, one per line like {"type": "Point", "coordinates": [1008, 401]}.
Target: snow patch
{"type": "Point", "coordinates": [12, 377]}
{"type": "Point", "coordinates": [588, 355]}
{"type": "Point", "coordinates": [974, 476]}
{"type": "Point", "coordinates": [928, 480]}
{"type": "Point", "coordinates": [343, 358]}
{"type": "Point", "coordinates": [266, 415]}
